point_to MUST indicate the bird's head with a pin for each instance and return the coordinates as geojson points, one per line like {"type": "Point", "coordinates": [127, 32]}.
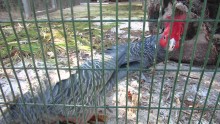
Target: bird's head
{"type": "Point", "coordinates": [172, 38]}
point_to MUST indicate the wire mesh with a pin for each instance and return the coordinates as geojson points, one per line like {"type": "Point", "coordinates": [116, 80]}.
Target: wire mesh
{"type": "Point", "coordinates": [61, 67]}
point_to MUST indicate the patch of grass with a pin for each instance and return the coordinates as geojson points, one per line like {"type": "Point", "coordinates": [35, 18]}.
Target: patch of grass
{"type": "Point", "coordinates": [32, 33]}
{"type": "Point", "coordinates": [5, 24]}
{"type": "Point", "coordinates": [21, 34]}
{"type": "Point", "coordinates": [80, 26]}
{"type": "Point", "coordinates": [4, 52]}
{"type": "Point", "coordinates": [10, 38]}
{"type": "Point", "coordinates": [82, 30]}
{"type": "Point", "coordinates": [72, 46]}
{"type": "Point", "coordinates": [84, 48]}
{"type": "Point", "coordinates": [36, 48]}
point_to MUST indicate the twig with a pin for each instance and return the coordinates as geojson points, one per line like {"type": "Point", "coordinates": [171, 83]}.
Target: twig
{"type": "Point", "coordinates": [23, 42]}
{"type": "Point", "coordinates": [186, 112]}
{"type": "Point", "coordinates": [107, 108]}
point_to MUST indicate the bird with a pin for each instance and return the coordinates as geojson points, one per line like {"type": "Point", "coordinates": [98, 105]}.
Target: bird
{"type": "Point", "coordinates": [86, 88]}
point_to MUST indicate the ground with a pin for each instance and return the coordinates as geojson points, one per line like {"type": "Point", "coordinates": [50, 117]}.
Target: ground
{"type": "Point", "coordinates": [163, 81]}
{"type": "Point", "coordinates": [166, 95]}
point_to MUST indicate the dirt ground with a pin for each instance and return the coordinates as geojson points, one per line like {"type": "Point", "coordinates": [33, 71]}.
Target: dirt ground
{"type": "Point", "coordinates": [167, 95]}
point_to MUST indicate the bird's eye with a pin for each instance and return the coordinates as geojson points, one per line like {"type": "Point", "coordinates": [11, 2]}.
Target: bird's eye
{"type": "Point", "coordinates": [164, 38]}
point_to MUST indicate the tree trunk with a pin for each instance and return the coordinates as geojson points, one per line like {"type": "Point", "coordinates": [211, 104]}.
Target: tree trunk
{"type": "Point", "coordinates": [54, 4]}
{"type": "Point", "coordinates": [27, 8]}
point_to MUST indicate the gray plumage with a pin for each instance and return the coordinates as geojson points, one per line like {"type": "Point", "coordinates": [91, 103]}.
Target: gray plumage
{"type": "Point", "coordinates": [69, 91]}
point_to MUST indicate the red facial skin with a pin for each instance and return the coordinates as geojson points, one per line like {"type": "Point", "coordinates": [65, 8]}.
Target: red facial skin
{"type": "Point", "coordinates": [177, 30]}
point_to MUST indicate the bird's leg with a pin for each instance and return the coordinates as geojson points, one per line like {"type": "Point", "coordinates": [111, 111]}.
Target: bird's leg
{"type": "Point", "coordinates": [143, 78]}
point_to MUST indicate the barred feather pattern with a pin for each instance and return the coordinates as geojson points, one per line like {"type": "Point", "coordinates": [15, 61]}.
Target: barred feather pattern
{"type": "Point", "coordinates": [82, 89]}
{"type": "Point", "coordinates": [150, 45]}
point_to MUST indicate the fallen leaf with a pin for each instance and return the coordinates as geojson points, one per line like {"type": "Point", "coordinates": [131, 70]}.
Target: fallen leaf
{"type": "Point", "coordinates": [129, 96]}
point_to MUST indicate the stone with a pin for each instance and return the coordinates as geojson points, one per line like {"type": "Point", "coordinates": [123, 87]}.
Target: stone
{"type": "Point", "coordinates": [200, 53]}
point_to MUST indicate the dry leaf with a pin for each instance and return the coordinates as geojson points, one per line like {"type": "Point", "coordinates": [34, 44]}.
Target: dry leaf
{"type": "Point", "coordinates": [129, 96]}
{"type": "Point", "coordinates": [134, 102]}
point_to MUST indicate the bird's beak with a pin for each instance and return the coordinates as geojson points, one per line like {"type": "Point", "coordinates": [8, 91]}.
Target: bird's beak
{"type": "Point", "coordinates": [172, 44]}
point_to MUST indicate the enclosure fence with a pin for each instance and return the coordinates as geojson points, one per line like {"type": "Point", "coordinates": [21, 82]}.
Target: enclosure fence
{"type": "Point", "coordinates": [45, 38]}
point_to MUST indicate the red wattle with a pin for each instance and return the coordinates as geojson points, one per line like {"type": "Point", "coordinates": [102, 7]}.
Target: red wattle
{"type": "Point", "coordinates": [177, 30]}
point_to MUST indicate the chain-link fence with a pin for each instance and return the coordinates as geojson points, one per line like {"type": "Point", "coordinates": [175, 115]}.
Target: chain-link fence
{"type": "Point", "coordinates": [100, 62]}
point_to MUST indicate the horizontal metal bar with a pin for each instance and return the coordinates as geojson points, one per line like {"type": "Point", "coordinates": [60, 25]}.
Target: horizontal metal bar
{"type": "Point", "coordinates": [113, 20]}
{"type": "Point", "coordinates": [86, 106]}
{"type": "Point", "coordinates": [120, 69]}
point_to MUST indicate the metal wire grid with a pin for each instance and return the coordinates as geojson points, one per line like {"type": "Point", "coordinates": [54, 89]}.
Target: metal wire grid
{"type": "Point", "coordinates": [129, 20]}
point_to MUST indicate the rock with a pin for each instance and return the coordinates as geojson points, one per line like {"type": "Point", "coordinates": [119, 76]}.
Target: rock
{"type": "Point", "coordinates": [50, 54]}
{"type": "Point", "coordinates": [200, 53]}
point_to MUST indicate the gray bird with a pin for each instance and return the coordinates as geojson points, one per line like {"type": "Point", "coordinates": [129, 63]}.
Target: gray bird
{"type": "Point", "coordinates": [73, 92]}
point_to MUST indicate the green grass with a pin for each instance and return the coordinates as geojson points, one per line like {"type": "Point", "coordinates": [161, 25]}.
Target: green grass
{"type": "Point", "coordinates": [82, 31]}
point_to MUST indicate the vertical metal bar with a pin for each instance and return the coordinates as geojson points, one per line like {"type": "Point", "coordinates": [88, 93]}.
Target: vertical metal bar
{"type": "Point", "coordinates": [54, 48]}
{"type": "Point", "coordinates": [174, 86]}
{"type": "Point", "coordinates": [116, 80]}
{"type": "Point", "coordinates": [77, 58]}
{"type": "Point", "coordinates": [67, 52]}
{"type": "Point", "coordinates": [191, 63]}
{"type": "Point", "coordinates": [128, 58]}
{"type": "Point", "coordinates": [103, 57]}
{"type": "Point", "coordinates": [3, 66]}
{"type": "Point", "coordinates": [4, 114]}
{"type": "Point", "coordinates": [166, 58]}
{"type": "Point", "coordinates": [14, 31]}
{"type": "Point", "coordinates": [206, 60]}
{"type": "Point", "coordinates": [210, 86]}
{"type": "Point", "coordinates": [91, 44]}
{"type": "Point", "coordinates": [42, 50]}
{"type": "Point", "coordinates": [141, 64]}
{"type": "Point", "coordinates": [181, 55]}
{"type": "Point", "coordinates": [198, 86]}
{"type": "Point", "coordinates": [2, 92]}
{"type": "Point", "coordinates": [6, 74]}
{"type": "Point", "coordinates": [154, 67]}
{"type": "Point", "coordinates": [155, 60]}
{"type": "Point", "coordinates": [32, 55]}
{"type": "Point", "coordinates": [192, 58]}
{"type": "Point", "coordinates": [40, 40]}
{"type": "Point", "coordinates": [217, 64]}
{"type": "Point", "coordinates": [216, 105]}
{"type": "Point", "coordinates": [19, 47]}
